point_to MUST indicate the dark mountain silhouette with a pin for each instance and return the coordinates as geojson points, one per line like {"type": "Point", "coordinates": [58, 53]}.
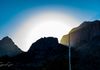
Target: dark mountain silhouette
{"type": "Point", "coordinates": [48, 53]}
{"type": "Point", "coordinates": [85, 40]}
{"type": "Point", "coordinates": [44, 54]}
{"type": "Point", "coordinates": [8, 48]}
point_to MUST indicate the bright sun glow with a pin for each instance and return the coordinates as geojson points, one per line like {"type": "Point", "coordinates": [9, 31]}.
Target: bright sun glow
{"type": "Point", "coordinates": [54, 23]}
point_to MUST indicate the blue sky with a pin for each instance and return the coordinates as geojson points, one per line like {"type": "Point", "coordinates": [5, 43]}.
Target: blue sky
{"type": "Point", "coordinates": [84, 10]}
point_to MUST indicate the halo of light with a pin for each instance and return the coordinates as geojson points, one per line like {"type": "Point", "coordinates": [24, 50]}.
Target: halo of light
{"type": "Point", "coordinates": [43, 23]}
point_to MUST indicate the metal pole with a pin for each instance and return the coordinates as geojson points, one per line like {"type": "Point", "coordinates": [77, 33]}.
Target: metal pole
{"type": "Point", "coordinates": [69, 53]}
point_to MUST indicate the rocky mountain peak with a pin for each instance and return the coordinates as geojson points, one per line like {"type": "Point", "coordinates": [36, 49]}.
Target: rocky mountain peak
{"type": "Point", "coordinates": [7, 40]}
{"type": "Point", "coordinates": [8, 48]}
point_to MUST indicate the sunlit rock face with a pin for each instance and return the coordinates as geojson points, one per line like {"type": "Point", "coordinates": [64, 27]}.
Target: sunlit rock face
{"type": "Point", "coordinates": [8, 48]}
{"type": "Point", "coordinates": [82, 34]}
{"type": "Point", "coordinates": [85, 40]}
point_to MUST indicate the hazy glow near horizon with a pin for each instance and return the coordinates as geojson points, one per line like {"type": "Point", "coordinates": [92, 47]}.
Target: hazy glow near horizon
{"type": "Point", "coordinates": [43, 23]}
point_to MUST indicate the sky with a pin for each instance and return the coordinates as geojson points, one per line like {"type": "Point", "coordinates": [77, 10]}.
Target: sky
{"type": "Point", "coordinates": [82, 10]}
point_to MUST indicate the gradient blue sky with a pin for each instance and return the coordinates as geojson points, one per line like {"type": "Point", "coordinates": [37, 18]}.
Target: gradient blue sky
{"type": "Point", "coordinates": [81, 9]}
